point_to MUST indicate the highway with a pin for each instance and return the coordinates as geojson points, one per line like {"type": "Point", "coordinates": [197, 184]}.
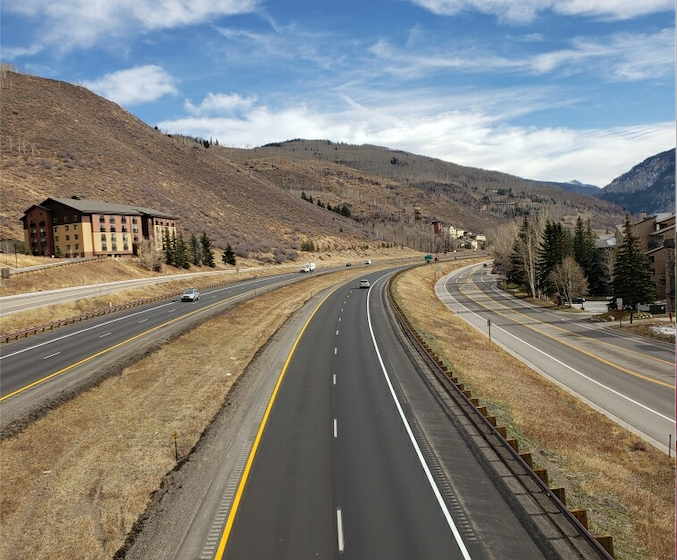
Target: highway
{"type": "Point", "coordinates": [630, 379]}
{"type": "Point", "coordinates": [38, 359]}
{"type": "Point", "coordinates": [354, 456]}
{"type": "Point", "coordinates": [356, 459]}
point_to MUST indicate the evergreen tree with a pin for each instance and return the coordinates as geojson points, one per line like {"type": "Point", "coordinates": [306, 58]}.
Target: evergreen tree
{"type": "Point", "coordinates": [345, 211]}
{"type": "Point", "coordinates": [554, 247]}
{"type": "Point", "coordinates": [168, 243]}
{"type": "Point", "coordinates": [206, 250]}
{"type": "Point", "coordinates": [229, 255]}
{"type": "Point", "coordinates": [303, 195]}
{"type": "Point", "coordinates": [632, 274]}
{"type": "Point", "coordinates": [595, 270]}
{"type": "Point", "coordinates": [181, 257]}
{"type": "Point", "coordinates": [195, 250]}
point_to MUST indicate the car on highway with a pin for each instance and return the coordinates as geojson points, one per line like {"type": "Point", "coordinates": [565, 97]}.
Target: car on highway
{"type": "Point", "coordinates": [349, 264]}
{"type": "Point", "coordinates": [368, 261]}
{"type": "Point", "coordinates": [191, 294]}
{"type": "Point", "coordinates": [364, 283]}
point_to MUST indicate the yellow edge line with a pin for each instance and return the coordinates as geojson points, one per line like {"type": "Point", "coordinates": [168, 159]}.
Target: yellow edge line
{"type": "Point", "coordinates": [616, 366]}
{"type": "Point", "coordinates": [602, 342]}
{"type": "Point", "coordinates": [110, 348]}
{"type": "Point", "coordinates": [259, 435]}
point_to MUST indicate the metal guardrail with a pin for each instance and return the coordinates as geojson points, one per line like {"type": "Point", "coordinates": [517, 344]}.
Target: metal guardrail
{"type": "Point", "coordinates": [25, 333]}
{"type": "Point", "coordinates": [495, 437]}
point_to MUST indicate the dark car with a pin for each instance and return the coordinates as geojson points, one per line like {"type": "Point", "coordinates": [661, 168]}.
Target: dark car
{"type": "Point", "coordinates": [191, 294]}
{"type": "Point", "coordinates": [579, 300]}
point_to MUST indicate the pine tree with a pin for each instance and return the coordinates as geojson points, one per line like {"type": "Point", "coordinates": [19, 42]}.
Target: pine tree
{"type": "Point", "coordinates": [345, 211]}
{"type": "Point", "coordinates": [168, 243]}
{"type": "Point", "coordinates": [632, 274]}
{"type": "Point", "coordinates": [195, 250]}
{"type": "Point", "coordinates": [554, 247]}
{"type": "Point", "coordinates": [181, 259]}
{"type": "Point", "coordinates": [229, 255]}
{"type": "Point", "coordinates": [206, 250]}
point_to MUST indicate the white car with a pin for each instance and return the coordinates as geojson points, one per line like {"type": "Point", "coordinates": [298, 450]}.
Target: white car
{"type": "Point", "coordinates": [364, 283]}
{"type": "Point", "coordinates": [368, 261]}
{"type": "Point", "coordinates": [191, 294]}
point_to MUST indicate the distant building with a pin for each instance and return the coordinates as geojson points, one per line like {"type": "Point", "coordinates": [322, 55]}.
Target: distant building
{"type": "Point", "coordinates": [75, 227]}
{"type": "Point", "coordinates": [657, 239]}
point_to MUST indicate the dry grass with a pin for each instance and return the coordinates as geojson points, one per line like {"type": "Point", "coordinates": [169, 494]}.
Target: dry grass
{"type": "Point", "coordinates": [110, 270]}
{"type": "Point", "coordinates": [628, 486]}
{"type": "Point", "coordinates": [75, 481]}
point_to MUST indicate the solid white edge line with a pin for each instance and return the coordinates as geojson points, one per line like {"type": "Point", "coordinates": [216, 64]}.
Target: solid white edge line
{"type": "Point", "coordinates": [581, 374]}
{"type": "Point", "coordinates": [339, 527]}
{"type": "Point", "coordinates": [335, 428]}
{"type": "Point", "coordinates": [431, 480]}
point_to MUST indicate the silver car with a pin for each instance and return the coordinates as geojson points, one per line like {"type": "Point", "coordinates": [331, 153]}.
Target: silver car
{"type": "Point", "coordinates": [191, 294]}
{"type": "Point", "coordinates": [364, 283]}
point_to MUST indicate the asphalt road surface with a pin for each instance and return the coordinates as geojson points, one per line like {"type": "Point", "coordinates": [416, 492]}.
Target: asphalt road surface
{"type": "Point", "coordinates": [338, 472]}
{"type": "Point", "coordinates": [630, 379]}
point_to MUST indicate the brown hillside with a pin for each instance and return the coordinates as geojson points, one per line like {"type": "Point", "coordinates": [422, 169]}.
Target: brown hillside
{"type": "Point", "coordinates": [470, 198]}
{"type": "Point", "coordinates": [60, 139]}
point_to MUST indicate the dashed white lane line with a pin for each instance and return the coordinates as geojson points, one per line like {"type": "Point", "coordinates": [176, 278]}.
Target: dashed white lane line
{"type": "Point", "coordinates": [335, 427]}
{"type": "Point", "coordinates": [51, 355]}
{"type": "Point", "coordinates": [105, 334]}
{"type": "Point", "coordinates": [339, 526]}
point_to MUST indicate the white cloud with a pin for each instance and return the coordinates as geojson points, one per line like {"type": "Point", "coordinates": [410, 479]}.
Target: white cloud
{"type": "Point", "coordinates": [9, 53]}
{"type": "Point", "coordinates": [82, 23]}
{"type": "Point", "coordinates": [620, 57]}
{"type": "Point", "coordinates": [623, 57]}
{"type": "Point", "coordinates": [464, 136]}
{"type": "Point", "coordinates": [525, 11]}
{"type": "Point", "coordinates": [140, 84]}
{"type": "Point", "coordinates": [220, 103]}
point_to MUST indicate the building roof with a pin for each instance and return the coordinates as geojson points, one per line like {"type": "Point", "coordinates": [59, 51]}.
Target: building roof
{"type": "Point", "coordinates": [98, 207]}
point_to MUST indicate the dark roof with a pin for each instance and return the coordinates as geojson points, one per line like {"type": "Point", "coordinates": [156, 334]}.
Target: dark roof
{"type": "Point", "coordinates": [98, 207]}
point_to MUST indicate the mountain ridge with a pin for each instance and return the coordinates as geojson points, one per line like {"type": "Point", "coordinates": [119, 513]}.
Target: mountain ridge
{"type": "Point", "coordinates": [61, 139]}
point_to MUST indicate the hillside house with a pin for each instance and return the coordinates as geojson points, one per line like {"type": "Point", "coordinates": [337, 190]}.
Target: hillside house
{"type": "Point", "coordinates": [75, 227]}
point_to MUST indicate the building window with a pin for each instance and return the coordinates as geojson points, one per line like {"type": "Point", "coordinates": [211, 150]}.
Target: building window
{"type": "Point", "coordinates": [135, 229]}
{"type": "Point", "coordinates": [102, 219]}
{"type": "Point", "coordinates": [77, 246]}
{"type": "Point", "coordinates": [76, 236]}
{"type": "Point", "coordinates": [56, 239]}
{"type": "Point", "coordinates": [124, 228]}
{"type": "Point", "coordinates": [43, 232]}
{"type": "Point", "coordinates": [111, 219]}
{"type": "Point", "coordinates": [43, 242]}
{"type": "Point", "coordinates": [55, 219]}
{"type": "Point", "coordinates": [68, 248]}
{"type": "Point", "coordinates": [76, 218]}
{"type": "Point", "coordinates": [112, 228]}
{"type": "Point", "coordinates": [75, 226]}
{"type": "Point", "coordinates": [32, 225]}
{"type": "Point", "coordinates": [104, 248]}
{"type": "Point", "coordinates": [136, 239]}
{"type": "Point", "coordinates": [102, 228]}
{"type": "Point", "coordinates": [123, 219]}
{"type": "Point", "coordinates": [113, 237]}
{"type": "Point", "coordinates": [103, 238]}
{"type": "Point", "coordinates": [133, 219]}
{"type": "Point", "coordinates": [114, 247]}
{"type": "Point", "coordinates": [68, 238]}
{"type": "Point", "coordinates": [66, 227]}
{"type": "Point", "coordinates": [42, 223]}
{"type": "Point", "coordinates": [55, 229]}
{"type": "Point", "coordinates": [125, 247]}
{"type": "Point", "coordinates": [66, 219]}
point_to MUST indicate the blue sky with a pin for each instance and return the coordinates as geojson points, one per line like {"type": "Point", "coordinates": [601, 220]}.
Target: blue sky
{"type": "Point", "coordinates": [544, 89]}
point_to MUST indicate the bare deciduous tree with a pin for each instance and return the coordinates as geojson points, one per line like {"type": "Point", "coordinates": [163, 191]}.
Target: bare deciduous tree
{"type": "Point", "coordinates": [569, 278]}
{"type": "Point", "coordinates": [149, 257]}
{"type": "Point", "coordinates": [501, 241]}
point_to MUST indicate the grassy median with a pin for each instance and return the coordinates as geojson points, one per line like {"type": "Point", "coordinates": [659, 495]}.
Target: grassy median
{"type": "Point", "coordinates": [627, 486]}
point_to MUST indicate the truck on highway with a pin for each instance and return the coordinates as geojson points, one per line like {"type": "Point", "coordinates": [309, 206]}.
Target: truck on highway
{"type": "Point", "coordinates": [308, 267]}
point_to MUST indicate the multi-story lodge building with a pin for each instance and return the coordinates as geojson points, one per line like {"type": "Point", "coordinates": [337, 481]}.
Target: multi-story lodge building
{"type": "Point", "coordinates": [75, 227]}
